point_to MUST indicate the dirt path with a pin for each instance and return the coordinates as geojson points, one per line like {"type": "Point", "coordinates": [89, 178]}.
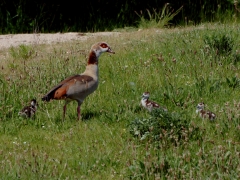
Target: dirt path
{"type": "Point", "coordinates": [7, 41]}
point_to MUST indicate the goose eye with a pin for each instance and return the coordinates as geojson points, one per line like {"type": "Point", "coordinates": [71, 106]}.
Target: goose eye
{"type": "Point", "coordinates": [103, 45]}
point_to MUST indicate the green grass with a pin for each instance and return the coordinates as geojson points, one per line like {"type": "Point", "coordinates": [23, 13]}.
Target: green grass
{"type": "Point", "coordinates": [177, 66]}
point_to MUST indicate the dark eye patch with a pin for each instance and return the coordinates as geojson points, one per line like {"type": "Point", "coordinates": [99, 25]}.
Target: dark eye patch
{"type": "Point", "coordinates": [103, 45]}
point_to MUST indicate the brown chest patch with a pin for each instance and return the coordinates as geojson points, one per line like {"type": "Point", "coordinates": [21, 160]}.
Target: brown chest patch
{"type": "Point", "coordinates": [92, 58]}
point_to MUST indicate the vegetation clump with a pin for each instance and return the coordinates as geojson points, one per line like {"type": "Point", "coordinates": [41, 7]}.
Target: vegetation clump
{"type": "Point", "coordinates": [220, 43]}
{"type": "Point", "coordinates": [163, 126]}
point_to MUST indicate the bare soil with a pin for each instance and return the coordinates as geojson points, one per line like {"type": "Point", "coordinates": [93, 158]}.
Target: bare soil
{"type": "Point", "coordinates": [12, 40]}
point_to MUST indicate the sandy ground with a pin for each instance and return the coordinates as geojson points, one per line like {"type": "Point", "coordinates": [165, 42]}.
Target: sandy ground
{"type": "Point", "coordinates": [9, 40]}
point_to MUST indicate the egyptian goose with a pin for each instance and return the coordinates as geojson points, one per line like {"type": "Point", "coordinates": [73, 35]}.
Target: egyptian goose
{"type": "Point", "coordinates": [79, 86]}
{"type": "Point", "coordinates": [149, 105]}
{"type": "Point", "coordinates": [29, 111]}
{"type": "Point", "coordinates": [204, 113]}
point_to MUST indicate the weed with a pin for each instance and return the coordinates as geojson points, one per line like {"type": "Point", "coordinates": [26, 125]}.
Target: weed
{"type": "Point", "coordinates": [163, 126]}
{"type": "Point", "coordinates": [23, 51]}
{"type": "Point", "coordinates": [157, 19]}
{"type": "Point", "coordinates": [148, 170]}
{"type": "Point", "coordinates": [233, 82]}
{"type": "Point", "coordinates": [221, 44]}
{"type": "Point", "coordinates": [236, 57]}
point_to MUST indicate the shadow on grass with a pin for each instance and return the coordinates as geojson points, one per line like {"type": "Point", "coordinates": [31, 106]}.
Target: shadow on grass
{"type": "Point", "coordinates": [89, 115]}
{"type": "Point", "coordinates": [85, 116]}
{"type": "Point", "coordinates": [138, 109]}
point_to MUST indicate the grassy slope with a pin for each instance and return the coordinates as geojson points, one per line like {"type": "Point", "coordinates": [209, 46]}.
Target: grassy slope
{"type": "Point", "coordinates": [100, 146]}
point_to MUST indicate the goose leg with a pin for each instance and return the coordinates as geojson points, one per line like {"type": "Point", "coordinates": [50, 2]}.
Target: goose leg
{"type": "Point", "coordinates": [79, 111]}
{"type": "Point", "coordinates": [64, 110]}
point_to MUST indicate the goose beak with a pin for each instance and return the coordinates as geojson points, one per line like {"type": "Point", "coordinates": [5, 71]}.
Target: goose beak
{"type": "Point", "coordinates": [110, 51]}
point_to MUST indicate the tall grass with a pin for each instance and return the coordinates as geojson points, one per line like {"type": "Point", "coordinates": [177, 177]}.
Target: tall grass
{"type": "Point", "coordinates": [179, 68]}
{"type": "Point", "coordinates": [158, 19]}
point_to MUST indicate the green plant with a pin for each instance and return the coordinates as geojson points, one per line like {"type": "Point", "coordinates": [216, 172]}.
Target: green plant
{"type": "Point", "coordinates": [157, 19]}
{"type": "Point", "coordinates": [221, 44]}
{"type": "Point", "coordinates": [233, 82]}
{"type": "Point", "coordinates": [236, 57]}
{"type": "Point", "coordinates": [22, 51]}
{"type": "Point", "coordinates": [148, 170]}
{"type": "Point", "coordinates": [177, 95]}
{"type": "Point", "coordinates": [162, 125]}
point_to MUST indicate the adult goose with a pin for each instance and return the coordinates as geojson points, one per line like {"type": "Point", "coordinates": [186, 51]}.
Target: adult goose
{"type": "Point", "coordinates": [79, 86]}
